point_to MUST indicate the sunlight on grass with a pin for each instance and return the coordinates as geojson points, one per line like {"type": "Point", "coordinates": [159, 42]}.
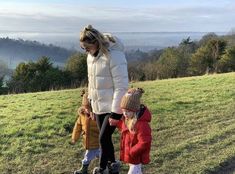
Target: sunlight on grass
{"type": "Point", "coordinates": [193, 127]}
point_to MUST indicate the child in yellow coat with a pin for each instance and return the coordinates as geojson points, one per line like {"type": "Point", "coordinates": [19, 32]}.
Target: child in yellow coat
{"type": "Point", "coordinates": [87, 127]}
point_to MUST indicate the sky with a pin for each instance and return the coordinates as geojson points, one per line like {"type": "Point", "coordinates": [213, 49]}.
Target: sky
{"type": "Point", "coordinates": [70, 16]}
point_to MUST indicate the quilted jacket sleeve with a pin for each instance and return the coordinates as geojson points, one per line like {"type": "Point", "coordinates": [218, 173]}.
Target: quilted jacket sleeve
{"type": "Point", "coordinates": [77, 129]}
{"type": "Point", "coordinates": [118, 67]}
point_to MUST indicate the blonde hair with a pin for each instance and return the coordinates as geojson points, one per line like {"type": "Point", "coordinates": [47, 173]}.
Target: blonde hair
{"type": "Point", "coordinates": [90, 35]}
{"type": "Point", "coordinates": [130, 123]}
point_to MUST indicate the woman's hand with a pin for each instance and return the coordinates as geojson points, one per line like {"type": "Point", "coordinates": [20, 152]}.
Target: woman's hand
{"type": "Point", "coordinates": [113, 122]}
{"type": "Point", "coordinates": [115, 116]}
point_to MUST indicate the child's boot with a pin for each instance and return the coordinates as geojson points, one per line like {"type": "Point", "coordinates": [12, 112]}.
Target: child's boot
{"type": "Point", "coordinates": [114, 168]}
{"type": "Point", "coordinates": [82, 170]}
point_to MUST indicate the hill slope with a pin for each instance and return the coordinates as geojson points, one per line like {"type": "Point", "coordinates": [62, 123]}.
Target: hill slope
{"type": "Point", "coordinates": [193, 128]}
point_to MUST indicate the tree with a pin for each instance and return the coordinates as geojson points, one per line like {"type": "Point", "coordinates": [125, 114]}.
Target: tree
{"type": "Point", "coordinates": [43, 64]}
{"type": "Point", "coordinates": [77, 67]}
{"type": "Point", "coordinates": [21, 77]}
{"type": "Point", "coordinates": [39, 76]}
{"type": "Point", "coordinates": [217, 48]}
{"type": "Point", "coordinates": [1, 85]}
{"type": "Point", "coordinates": [3, 68]}
{"type": "Point", "coordinates": [206, 58]}
{"type": "Point", "coordinates": [227, 61]}
{"type": "Point", "coordinates": [186, 48]}
{"type": "Point", "coordinates": [206, 38]}
{"type": "Point", "coordinates": [135, 72]}
{"type": "Point", "coordinates": [199, 62]}
{"type": "Point", "coordinates": [186, 41]}
{"type": "Point", "coordinates": [167, 66]}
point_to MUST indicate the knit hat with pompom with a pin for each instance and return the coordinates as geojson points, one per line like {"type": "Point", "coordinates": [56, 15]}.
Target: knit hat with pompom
{"type": "Point", "coordinates": [131, 100]}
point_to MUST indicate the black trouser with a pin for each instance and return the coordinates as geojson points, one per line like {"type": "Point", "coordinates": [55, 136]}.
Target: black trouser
{"type": "Point", "coordinates": [105, 138]}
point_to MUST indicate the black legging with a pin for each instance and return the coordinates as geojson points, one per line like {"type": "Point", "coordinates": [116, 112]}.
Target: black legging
{"type": "Point", "coordinates": [105, 138]}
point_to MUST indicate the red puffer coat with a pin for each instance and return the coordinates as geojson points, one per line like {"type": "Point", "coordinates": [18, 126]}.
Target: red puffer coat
{"type": "Point", "coordinates": [135, 147]}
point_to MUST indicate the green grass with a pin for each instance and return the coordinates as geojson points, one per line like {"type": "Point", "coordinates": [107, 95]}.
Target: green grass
{"type": "Point", "coordinates": [193, 128]}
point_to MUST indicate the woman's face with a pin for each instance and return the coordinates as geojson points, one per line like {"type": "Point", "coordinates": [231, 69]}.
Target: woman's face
{"type": "Point", "coordinates": [89, 48]}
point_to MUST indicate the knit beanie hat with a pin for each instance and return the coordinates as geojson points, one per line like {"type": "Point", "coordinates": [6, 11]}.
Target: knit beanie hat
{"type": "Point", "coordinates": [131, 100]}
{"type": "Point", "coordinates": [85, 100]}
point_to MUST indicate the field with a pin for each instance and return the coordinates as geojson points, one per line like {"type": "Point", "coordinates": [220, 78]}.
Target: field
{"type": "Point", "coordinates": [193, 128]}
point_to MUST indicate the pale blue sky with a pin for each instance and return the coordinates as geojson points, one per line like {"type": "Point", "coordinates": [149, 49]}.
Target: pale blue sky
{"type": "Point", "coordinates": [69, 16]}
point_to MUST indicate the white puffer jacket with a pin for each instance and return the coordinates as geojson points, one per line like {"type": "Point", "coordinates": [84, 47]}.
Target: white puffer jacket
{"type": "Point", "coordinates": [107, 79]}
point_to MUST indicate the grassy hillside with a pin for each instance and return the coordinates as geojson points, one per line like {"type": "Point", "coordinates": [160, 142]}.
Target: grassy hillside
{"type": "Point", "coordinates": [193, 128]}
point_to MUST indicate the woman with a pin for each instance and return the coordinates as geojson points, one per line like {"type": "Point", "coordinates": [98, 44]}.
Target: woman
{"type": "Point", "coordinates": [107, 83]}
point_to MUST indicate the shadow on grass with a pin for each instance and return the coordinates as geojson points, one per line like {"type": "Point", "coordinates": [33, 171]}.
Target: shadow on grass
{"type": "Point", "coordinates": [226, 167]}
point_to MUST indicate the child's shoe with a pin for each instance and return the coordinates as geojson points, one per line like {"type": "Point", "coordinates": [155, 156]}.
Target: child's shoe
{"type": "Point", "coordinates": [98, 170]}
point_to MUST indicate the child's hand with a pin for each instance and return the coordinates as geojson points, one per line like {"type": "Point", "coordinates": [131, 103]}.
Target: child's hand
{"type": "Point", "coordinates": [113, 122]}
{"type": "Point", "coordinates": [92, 116]}
{"type": "Point", "coordinates": [72, 142]}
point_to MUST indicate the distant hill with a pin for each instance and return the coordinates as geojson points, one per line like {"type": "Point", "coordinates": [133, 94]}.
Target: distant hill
{"type": "Point", "coordinates": [13, 51]}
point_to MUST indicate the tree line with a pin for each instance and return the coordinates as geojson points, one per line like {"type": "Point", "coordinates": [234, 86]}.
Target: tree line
{"type": "Point", "coordinates": [211, 54]}
{"type": "Point", "coordinates": [43, 76]}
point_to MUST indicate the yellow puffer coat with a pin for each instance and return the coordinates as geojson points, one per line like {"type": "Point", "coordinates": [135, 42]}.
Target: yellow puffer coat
{"type": "Point", "coordinates": [86, 127]}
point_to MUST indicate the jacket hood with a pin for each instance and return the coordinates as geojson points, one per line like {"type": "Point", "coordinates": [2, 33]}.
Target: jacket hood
{"type": "Point", "coordinates": [114, 42]}
{"type": "Point", "coordinates": [146, 116]}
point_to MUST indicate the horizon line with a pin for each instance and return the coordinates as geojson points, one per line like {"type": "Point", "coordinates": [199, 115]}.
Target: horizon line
{"type": "Point", "coordinates": [69, 32]}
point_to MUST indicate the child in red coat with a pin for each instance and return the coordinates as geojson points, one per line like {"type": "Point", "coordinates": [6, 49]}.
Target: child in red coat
{"type": "Point", "coordinates": [135, 131]}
